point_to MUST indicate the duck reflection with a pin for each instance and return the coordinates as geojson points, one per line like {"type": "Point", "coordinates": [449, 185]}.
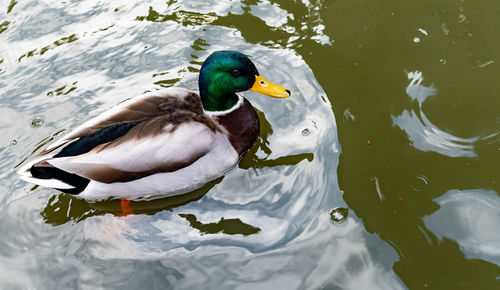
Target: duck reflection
{"type": "Point", "coordinates": [62, 208]}
{"type": "Point", "coordinates": [226, 226]}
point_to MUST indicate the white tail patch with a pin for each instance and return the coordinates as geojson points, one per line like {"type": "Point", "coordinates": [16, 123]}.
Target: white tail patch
{"type": "Point", "coordinates": [53, 183]}
{"type": "Point", "coordinates": [25, 170]}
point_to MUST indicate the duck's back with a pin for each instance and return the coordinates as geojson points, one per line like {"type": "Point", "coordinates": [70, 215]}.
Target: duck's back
{"type": "Point", "coordinates": [172, 104]}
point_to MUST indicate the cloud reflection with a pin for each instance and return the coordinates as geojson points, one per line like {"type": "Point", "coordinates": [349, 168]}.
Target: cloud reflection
{"type": "Point", "coordinates": [344, 261]}
{"type": "Point", "coordinates": [471, 218]}
{"type": "Point", "coordinates": [423, 134]}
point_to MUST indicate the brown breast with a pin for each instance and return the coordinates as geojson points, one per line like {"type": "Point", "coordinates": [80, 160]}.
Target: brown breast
{"type": "Point", "coordinates": [243, 127]}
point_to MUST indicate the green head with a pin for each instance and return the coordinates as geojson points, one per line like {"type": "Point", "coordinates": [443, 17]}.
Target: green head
{"type": "Point", "coordinates": [223, 74]}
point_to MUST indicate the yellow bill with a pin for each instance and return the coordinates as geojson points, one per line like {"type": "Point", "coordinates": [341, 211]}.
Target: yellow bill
{"type": "Point", "coordinates": [269, 89]}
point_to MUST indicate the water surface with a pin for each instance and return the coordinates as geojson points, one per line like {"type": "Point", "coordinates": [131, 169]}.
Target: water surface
{"type": "Point", "coordinates": [393, 116]}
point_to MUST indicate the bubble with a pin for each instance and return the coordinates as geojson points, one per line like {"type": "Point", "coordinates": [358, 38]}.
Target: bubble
{"type": "Point", "coordinates": [416, 40]}
{"type": "Point", "coordinates": [339, 214]}
{"type": "Point", "coordinates": [36, 122]}
{"type": "Point", "coordinates": [306, 132]}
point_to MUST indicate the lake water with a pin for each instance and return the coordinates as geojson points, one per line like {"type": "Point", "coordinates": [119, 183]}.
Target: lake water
{"type": "Point", "coordinates": [380, 172]}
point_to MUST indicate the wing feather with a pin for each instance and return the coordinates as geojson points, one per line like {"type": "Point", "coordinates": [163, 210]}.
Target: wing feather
{"type": "Point", "coordinates": [136, 109]}
{"type": "Point", "coordinates": [133, 156]}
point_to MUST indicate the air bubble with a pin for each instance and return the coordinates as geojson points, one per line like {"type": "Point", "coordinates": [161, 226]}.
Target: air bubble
{"type": "Point", "coordinates": [339, 214]}
{"type": "Point", "coordinates": [36, 122]}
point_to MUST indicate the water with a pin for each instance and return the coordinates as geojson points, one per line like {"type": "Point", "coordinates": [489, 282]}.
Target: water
{"type": "Point", "coordinates": [380, 172]}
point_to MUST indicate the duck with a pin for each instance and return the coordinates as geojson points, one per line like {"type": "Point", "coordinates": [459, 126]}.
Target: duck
{"type": "Point", "coordinates": [163, 143]}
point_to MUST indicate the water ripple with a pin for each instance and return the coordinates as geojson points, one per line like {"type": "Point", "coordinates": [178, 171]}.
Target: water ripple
{"type": "Point", "coordinates": [425, 135]}
{"type": "Point", "coordinates": [91, 56]}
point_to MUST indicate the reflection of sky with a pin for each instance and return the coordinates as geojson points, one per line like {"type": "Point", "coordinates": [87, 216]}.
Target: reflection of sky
{"type": "Point", "coordinates": [338, 256]}
{"type": "Point", "coordinates": [274, 16]}
{"type": "Point", "coordinates": [472, 219]}
{"type": "Point", "coordinates": [423, 134]}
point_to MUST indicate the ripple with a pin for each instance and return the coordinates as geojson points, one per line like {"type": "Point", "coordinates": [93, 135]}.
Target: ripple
{"type": "Point", "coordinates": [265, 223]}
{"type": "Point", "coordinates": [425, 135]}
{"type": "Point", "coordinates": [421, 182]}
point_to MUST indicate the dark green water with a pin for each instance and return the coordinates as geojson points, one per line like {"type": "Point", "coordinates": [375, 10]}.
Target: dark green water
{"type": "Point", "coordinates": [394, 115]}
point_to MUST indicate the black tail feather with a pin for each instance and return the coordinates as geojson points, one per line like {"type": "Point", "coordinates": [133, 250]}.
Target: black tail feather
{"type": "Point", "coordinates": [42, 172]}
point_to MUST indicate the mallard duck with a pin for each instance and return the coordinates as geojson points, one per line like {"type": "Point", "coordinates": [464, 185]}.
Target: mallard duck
{"type": "Point", "coordinates": [163, 143]}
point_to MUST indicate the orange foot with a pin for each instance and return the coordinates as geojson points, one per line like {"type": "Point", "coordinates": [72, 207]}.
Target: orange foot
{"type": "Point", "coordinates": [126, 209]}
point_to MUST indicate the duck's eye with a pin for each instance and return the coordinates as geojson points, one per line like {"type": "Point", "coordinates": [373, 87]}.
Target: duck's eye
{"type": "Point", "coordinates": [236, 72]}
